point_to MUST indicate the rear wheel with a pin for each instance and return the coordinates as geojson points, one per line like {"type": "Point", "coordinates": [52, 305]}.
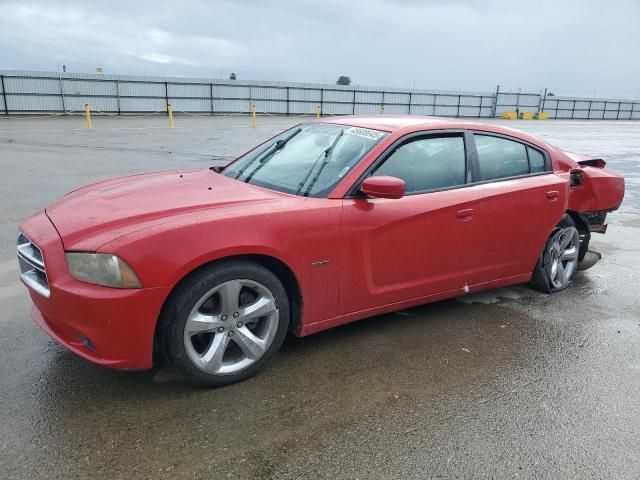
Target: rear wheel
{"type": "Point", "coordinates": [558, 261]}
{"type": "Point", "coordinates": [223, 323]}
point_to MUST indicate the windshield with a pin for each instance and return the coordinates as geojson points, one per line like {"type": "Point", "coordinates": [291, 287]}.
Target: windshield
{"type": "Point", "coordinates": [307, 160]}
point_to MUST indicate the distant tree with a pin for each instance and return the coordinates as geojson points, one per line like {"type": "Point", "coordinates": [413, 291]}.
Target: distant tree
{"type": "Point", "coordinates": [232, 76]}
{"type": "Point", "coordinates": [343, 80]}
{"type": "Point", "coordinates": [551, 94]}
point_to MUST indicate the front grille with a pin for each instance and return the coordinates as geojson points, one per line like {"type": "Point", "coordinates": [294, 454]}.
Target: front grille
{"type": "Point", "coordinates": [32, 269]}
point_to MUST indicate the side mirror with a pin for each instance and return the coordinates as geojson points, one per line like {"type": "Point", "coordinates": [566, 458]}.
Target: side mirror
{"type": "Point", "coordinates": [383, 187]}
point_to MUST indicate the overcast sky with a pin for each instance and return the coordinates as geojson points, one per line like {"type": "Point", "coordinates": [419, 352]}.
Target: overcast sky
{"type": "Point", "coordinates": [571, 47]}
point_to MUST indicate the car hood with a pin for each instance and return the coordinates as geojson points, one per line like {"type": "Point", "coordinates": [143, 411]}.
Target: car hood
{"type": "Point", "coordinates": [93, 215]}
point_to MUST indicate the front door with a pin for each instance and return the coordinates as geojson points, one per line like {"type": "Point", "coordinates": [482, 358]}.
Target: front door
{"type": "Point", "coordinates": [418, 245]}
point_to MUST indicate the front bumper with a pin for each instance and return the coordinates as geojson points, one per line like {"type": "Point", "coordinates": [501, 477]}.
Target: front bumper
{"type": "Point", "coordinates": [108, 326]}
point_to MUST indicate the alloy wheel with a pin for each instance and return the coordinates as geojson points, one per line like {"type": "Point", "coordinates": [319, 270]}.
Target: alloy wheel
{"type": "Point", "coordinates": [563, 257]}
{"type": "Point", "coordinates": [231, 327]}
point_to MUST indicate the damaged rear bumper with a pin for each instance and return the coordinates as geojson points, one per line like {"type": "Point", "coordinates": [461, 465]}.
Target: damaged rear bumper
{"type": "Point", "coordinates": [597, 220]}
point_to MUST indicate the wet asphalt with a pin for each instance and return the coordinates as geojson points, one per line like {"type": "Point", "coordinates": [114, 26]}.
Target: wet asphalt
{"type": "Point", "coordinates": [502, 384]}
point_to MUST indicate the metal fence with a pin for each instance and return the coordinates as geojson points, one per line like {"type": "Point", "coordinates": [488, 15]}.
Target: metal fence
{"type": "Point", "coordinates": [26, 92]}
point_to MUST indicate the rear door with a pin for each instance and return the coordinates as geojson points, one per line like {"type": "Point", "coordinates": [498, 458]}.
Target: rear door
{"type": "Point", "coordinates": [520, 200]}
{"type": "Point", "coordinates": [421, 244]}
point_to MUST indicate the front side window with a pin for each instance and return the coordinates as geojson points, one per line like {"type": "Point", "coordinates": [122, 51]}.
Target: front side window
{"type": "Point", "coordinates": [428, 163]}
{"type": "Point", "coordinates": [307, 160]}
{"type": "Point", "coordinates": [500, 158]}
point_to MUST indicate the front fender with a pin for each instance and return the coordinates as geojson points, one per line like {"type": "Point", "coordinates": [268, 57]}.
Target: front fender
{"type": "Point", "coordinates": [163, 255]}
{"type": "Point", "coordinates": [305, 239]}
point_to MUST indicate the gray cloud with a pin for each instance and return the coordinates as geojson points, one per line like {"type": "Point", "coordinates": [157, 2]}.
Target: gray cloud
{"type": "Point", "coordinates": [572, 47]}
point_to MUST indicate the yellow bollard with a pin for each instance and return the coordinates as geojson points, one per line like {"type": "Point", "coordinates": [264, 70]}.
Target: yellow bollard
{"type": "Point", "coordinates": [253, 116]}
{"type": "Point", "coordinates": [318, 111]}
{"type": "Point", "coordinates": [87, 114]}
{"type": "Point", "coordinates": [381, 110]}
{"type": "Point", "coordinates": [170, 112]}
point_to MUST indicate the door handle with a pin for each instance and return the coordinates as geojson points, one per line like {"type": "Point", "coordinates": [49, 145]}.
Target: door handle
{"type": "Point", "coordinates": [553, 194]}
{"type": "Point", "coordinates": [465, 214]}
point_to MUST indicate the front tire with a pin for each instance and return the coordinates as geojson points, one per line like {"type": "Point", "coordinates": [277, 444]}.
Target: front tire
{"type": "Point", "coordinates": [558, 261]}
{"type": "Point", "coordinates": [223, 323]}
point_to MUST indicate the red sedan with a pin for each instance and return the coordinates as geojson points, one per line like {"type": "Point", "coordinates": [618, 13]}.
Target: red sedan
{"type": "Point", "coordinates": [329, 222]}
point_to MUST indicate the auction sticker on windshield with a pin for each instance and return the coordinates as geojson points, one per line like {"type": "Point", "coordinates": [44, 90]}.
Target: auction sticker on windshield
{"type": "Point", "coordinates": [364, 132]}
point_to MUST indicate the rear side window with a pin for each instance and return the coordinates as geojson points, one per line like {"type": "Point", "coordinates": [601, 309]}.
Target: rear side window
{"type": "Point", "coordinates": [500, 158]}
{"type": "Point", "coordinates": [536, 160]}
{"type": "Point", "coordinates": [427, 163]}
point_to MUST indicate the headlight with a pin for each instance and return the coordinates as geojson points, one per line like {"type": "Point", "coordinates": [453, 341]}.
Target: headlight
{"type": "Point", "coordinates": [102, 269]}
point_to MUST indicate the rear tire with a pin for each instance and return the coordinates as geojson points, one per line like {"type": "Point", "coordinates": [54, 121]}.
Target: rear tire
{"type": "Point", "coordinates": [223, 323]}
{"type": "Point", "coordinates": [558, 261]}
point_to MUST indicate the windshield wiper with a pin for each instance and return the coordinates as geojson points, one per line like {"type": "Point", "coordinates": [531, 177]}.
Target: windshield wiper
{"type": "Point", "coordinates": [266, 156]}
{"type": "Point", "coordinates": [326, 155]}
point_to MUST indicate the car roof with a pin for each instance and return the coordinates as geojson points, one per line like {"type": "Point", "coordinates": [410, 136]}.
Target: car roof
{"type": "Point", "coordinates": [388, 123]}
{"type": "Point", "coordinates": [399, 123]}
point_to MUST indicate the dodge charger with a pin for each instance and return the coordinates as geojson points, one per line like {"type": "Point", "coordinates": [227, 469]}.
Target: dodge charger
{"type": "Point", "coordinates": [329, 222]}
